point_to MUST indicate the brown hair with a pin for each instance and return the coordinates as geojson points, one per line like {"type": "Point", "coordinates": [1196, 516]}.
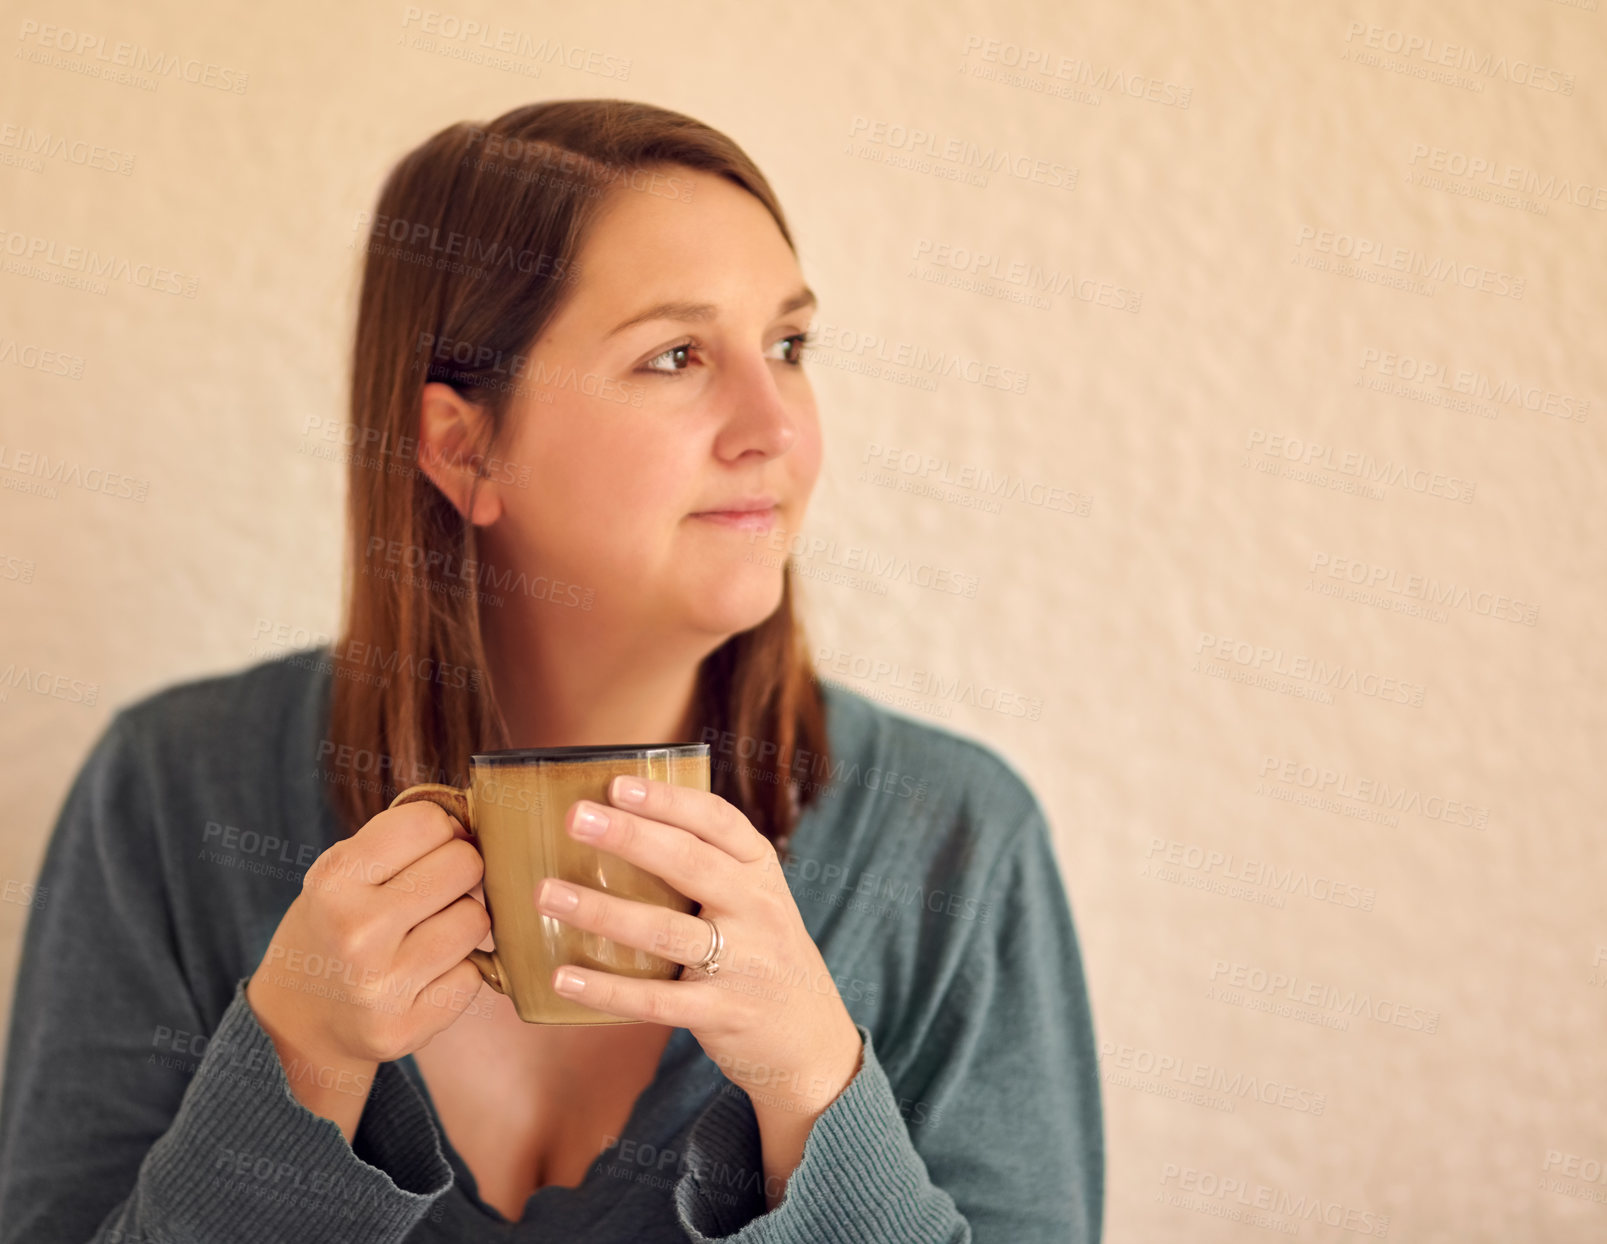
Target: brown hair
{"type": "Point", "coordinates": [471, 253]}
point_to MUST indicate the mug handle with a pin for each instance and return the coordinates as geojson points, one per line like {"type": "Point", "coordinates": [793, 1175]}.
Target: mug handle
{"type": "Point", "coordinates": [455, 800]}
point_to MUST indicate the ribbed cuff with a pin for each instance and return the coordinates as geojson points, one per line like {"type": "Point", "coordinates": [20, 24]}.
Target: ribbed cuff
{"type": "Point", "coordinates": [860, 1181]}
{"type": "Point", "coordinates": [244, 1161]}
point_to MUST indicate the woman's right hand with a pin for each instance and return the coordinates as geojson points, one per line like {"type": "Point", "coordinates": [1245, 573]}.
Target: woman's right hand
{"type": "Point", "coordinates": [370, 961]}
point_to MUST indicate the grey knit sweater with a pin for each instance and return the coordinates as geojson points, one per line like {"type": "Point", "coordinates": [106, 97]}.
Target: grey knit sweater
{"type": "Point", "coordinates": [144, 1104]}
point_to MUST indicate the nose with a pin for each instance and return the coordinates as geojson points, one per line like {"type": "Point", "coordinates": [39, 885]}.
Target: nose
{"type": "Point", "coordinates": [758, 418]}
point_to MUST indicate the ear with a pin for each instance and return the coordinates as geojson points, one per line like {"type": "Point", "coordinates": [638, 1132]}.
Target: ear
{"type": "Point", "coordinates": [452, 431]}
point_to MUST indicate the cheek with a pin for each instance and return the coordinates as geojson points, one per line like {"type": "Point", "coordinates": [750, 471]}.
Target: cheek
{"type": "Point", "coordinates": [602, 481]}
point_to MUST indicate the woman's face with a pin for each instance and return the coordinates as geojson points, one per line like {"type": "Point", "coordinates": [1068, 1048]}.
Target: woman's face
{"type": "Point", "coordinates": [666, 393]}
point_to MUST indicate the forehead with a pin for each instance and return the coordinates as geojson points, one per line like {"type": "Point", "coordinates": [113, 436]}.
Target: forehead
{"type": "Point", "coordinates": [686, 235]}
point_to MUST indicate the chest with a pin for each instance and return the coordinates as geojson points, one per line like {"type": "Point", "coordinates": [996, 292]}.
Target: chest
{"type": "Point", "coordinates": [531, 1106]}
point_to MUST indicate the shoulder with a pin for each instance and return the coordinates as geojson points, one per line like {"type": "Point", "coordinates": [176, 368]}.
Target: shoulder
{"type": "Point", "coordinates": [208, 788]}
{"type": "Point", "coordinates": [905, 797]}
{"type": "Point", "coordinates": [218, 739]}
{"type": "Point", "coordinates": [194, 816]}
{"type": "Point", "coordinates": [872, 742]}
{"type": "Point", "coordinates": [220, 713]}
{"type": "Point", "coordinates": [927, 859]}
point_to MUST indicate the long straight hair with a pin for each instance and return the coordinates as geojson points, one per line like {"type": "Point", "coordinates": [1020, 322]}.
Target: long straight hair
{"type": "Point", "coordinates": [470, 252]}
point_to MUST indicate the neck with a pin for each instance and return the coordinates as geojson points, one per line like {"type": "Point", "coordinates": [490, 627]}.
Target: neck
{"type": "Point", "coordinates": [572, 682]}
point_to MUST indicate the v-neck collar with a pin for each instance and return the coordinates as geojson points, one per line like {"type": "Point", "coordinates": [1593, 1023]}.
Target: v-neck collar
{"type": "Point", "coordinates": [673, 1054]}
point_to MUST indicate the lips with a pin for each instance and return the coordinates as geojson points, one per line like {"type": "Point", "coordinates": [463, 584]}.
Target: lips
{"type": "Point", "coordinates": [745, 505]}
{"type": "Point", "coordinates": [751, 514]}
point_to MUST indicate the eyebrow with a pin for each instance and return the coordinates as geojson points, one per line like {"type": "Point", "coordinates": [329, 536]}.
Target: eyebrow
{"type": "Point", "coordinates": [700, 312]}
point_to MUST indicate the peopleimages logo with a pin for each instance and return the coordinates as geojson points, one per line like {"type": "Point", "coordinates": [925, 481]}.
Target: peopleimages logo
{"type": "Point", "coordinates": [33, 358]}
{"type": "Point", "coordinates": [1503, 176]}
{"type": "Point", "coordinates": [1237, 1198]}
{"type": "Point", "coordinates": [96, 57]}
{"type": "Point", "coordinates": [1253, 872]}
{"type": "Point", "coordinates": [1336, 675]}
{"type": "Point", "coordinates": [1457, 56]}
{"type": "Point", "coordinates": [1210, 1078]}
{"type": "Point", "coordinates": [43, 682]}
{"type": "Point", "coordinates": [1409, 261]}
{"type": "Point", "coordinates": [59, 259]}
{"type": "Point", "coordinates": [1327, 785]}
{"type": "Point", "coordinates": [960, 690]}
{"type": "Point", "coordinates": [888, 567]}
{"type": "Point", "coordinates": [1291, 988]}
{"type": "Point", "coordinates": [505, 39]}
{"type": "Point", "coordinates": [963, 152]}
{"type": "Point", "coordinates": [936, 363]}
{"type": "Point", "coordinates": [418, 241]}
{"type": "Point", "coordinates": [40, 145]}
{"type": "Point", "coordinates": [1312, 456]}
{"type": "Point", "coordinates": [1425, 375]}
{"type": "Point", "coordinates": [1425, 588]}
{"type": "Point", "coordinates": [1032, 63]}
{"type": "Point", "coordinates": [1036, 279]}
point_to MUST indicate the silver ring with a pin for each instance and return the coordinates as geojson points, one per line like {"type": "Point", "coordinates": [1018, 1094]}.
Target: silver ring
{"type": "Point", "coordinates": [710, 963]}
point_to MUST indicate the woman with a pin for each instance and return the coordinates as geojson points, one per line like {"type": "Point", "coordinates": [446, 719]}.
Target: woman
{"type": "Point", "coordinates": [582, 440]}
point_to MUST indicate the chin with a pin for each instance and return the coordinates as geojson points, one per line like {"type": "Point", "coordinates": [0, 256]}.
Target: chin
{"type": "Point", "coordinates": [738, 600]}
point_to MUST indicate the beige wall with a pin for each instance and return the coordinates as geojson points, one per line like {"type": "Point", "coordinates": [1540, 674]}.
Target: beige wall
{"type": "Point", "coordinates": [1211, 223]}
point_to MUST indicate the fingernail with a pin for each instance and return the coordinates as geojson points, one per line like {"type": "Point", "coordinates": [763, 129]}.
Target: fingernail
{"type": "Point", "coordinates": [590, 821]}
{"type": "Point", "coordinates": [629, 790]}
{"type": "Point", "coordinates": [554, 895]}
{"type": "Point", "coordinates": [567, 981]}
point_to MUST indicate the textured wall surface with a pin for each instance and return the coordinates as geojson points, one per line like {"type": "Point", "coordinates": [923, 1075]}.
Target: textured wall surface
{"type": "Point", "coordinates": [1292, 545]}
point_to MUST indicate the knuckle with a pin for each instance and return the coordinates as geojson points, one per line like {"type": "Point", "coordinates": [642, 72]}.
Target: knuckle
{"type": "Point", "coordinates": [327, 864]}
{"type": "Point", "coordinates": [773, 922]}
{"type": "Point", "coordinates": [669, 940]}
{"type": "Point", "coordinates": [672, 939]}
{"type": "Point", "coordinates": [601, 992]}
{"type": "Point", "coordinates": [592, 909]}
{"type": "Point", "coordinates": [341, 920]}
{"type": "Point", "coordinates": [655, 1006]}
{"type": "Point", "coordinates": [425, 812]}
{"type": "Point", "coordinates": [773, 894]}
{"type": "Point", "coordinates": [351, 930]}
{"type": "Point", "coordinates": [463, 855]}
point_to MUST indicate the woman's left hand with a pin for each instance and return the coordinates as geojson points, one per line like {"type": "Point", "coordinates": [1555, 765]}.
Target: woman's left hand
{"type": "Point", "coordinates": [771, 1018]}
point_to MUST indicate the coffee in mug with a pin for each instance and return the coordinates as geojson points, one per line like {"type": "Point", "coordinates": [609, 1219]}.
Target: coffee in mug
{"type": "Point", "coordinates": [514, 809]}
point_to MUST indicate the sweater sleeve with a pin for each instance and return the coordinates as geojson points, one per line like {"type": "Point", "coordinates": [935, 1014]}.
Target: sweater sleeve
{"type": "Point", "coordinates": [990, 1132]}
{"type": "Point", "coordinates": [101, 1138]}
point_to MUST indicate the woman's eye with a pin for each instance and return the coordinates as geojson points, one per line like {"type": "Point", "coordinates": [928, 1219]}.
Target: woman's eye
{"type": "Point", "coordinates": [677, 358]}
{"type": "Point", "coordinates": [675, 353]}
{"type": "Point", "coordinates": [796, 345]}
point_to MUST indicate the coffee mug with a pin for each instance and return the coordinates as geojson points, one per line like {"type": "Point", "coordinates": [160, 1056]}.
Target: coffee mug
{"type": "Point", "coordinates": [514, 809]}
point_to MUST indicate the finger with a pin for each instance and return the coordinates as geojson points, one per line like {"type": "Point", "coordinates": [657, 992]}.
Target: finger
{"type": "Point", "coordinates": [661, 931]}
{"type": "Point", "coordinates": [441, 877]}
{"type": "Point", "coordinates": [694, 867]}
{"type": "Point", "coordinates": [680, 1004]}
{"type": "Point", "coordinates": [446, 997]}
{"type": "Point", "coordinates": [713, 819]}
{"type": "Point", "coordinates": [436, 944]}
{"type": "Point", "coordinates": [394, 839]}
